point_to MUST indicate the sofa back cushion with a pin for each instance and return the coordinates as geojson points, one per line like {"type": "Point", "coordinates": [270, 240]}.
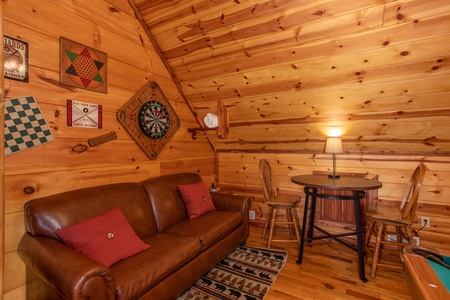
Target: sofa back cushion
{"type": "Point", "coordinates": [45, 215]}
{"type": "Point", "coordinates": [168, 206]}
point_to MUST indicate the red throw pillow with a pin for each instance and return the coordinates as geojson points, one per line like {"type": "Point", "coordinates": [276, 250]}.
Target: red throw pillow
{"type": "Point", "coordinates": [106, 238]}
{"type": "Point", "coordinates": [197, 199]}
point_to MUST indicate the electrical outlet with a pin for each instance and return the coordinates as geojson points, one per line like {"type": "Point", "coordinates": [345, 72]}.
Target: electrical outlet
{"type": "Point", "coordinates": [392, 237]}
{"type": "Point", "coordinates": [416, 240]}
{"type": "Point", "coordinates": [252, 215]}
{"type": "Point", "coordinates": [425, 221]}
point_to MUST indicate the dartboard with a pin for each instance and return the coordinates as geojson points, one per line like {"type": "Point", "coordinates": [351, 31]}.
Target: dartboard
{"type": "Point", "coordinates": [149, 119]}
{"type": "Point", "coordinates": [154, 119]}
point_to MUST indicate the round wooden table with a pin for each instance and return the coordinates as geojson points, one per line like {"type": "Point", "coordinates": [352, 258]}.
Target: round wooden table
{"type": "Point", "coordinates": [355, 184]}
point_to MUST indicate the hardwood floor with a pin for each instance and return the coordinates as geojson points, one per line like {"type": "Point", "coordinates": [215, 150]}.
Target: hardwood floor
{"type": "Point", "coordinates": [330, 271]}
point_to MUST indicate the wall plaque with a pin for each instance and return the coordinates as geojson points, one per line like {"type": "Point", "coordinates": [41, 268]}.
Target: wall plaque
{"type": "Point", "coordinates": [16, 59]}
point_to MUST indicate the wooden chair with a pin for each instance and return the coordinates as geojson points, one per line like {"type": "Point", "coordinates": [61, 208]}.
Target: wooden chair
{"type": "Point", "coordinates": [381, 218]}
{"type": "Point", "coordinates": [280, 211]}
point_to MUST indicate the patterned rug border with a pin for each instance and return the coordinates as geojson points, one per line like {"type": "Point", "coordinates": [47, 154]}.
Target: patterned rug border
{"type": "Point", "coordinates": [246, 273]}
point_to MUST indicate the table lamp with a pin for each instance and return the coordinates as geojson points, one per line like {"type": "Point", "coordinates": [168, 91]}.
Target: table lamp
{"type": "Point", "coordinates": [333, 145]}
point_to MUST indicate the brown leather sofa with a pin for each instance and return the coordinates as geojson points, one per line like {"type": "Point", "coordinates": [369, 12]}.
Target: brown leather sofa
{"type": "Point", "coordinates": [181, 250]}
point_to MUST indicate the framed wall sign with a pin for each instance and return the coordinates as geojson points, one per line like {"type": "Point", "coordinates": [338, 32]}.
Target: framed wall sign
{"type": "Point", "coordinates": [86, 115]}
{"type": "Point", "coordinates": [16, 59]}
{"type": "Point", "coordinates": [149, 119]}
{"type": "Point", "coordinates": [83, 67]}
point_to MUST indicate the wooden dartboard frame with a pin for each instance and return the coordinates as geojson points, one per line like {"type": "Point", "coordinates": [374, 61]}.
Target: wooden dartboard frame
{"type": "Point", "coordinates": [150, 119]}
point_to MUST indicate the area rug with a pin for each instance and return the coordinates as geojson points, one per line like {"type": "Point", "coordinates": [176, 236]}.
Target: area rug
{"type": "Point", "coordinates": [247, 273]}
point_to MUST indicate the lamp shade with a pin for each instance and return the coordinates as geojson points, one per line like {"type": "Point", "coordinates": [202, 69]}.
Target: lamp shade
{"type": "Point", "coordinates": [333, 145]}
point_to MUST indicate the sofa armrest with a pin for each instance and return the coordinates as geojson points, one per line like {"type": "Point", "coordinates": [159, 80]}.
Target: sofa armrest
{"type": "Point", "coordinates": [230, 202]}
{"type": "Point", "coordinates": [68, 272]}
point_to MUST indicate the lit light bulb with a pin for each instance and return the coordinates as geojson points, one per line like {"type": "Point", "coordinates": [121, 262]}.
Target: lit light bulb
{"type": "Point", "coordinates": [334, 131]}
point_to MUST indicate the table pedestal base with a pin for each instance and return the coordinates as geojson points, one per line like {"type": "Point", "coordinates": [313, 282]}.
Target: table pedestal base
{"type": "Point", "coordinates": [312, 192]}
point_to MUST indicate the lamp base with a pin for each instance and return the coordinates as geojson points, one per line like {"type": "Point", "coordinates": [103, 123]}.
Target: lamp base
{"type": "Point", "coordinates": [335, 176]}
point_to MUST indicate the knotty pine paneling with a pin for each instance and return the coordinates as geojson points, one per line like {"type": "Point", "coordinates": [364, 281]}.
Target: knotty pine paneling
{"type": "Point", "coordinates": [14, 269]}
{"type": "Point", "coordinates": [121, 152]}
{"type": "Point", "coordinates": [261, 29]}
{"type": "Point", "coordinates": [53, 182]}
{"type": "Point", "coordinates": [2, 173]}
{"type": "Point", "coordinates": [109, 26]}
{"type": "Point", "coordinates": [239, 172]}
{"type": "Point", "coordinates": [410, 11]}
{"type": "Point", "coordinates": [236, 61]}
{"type": "Point", "coordinates": [287, 71]}
{"type": "Point", "coordinates": [47, 82]}
{"type": "Point", "coordinates": [374, 64]}
{"type": "Point", "coordinates": [362, 66]}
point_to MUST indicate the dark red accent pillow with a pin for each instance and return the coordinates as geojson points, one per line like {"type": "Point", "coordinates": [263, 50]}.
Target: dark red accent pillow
{"type": "Point", "coordinates": [106, 238]}
{"type": "Point", "coordinates": [197, 199]}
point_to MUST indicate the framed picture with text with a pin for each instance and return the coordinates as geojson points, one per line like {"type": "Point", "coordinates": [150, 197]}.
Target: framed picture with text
{"type": "Point", "coordinates": [16, 59]}
{"type": "Point", "coordinates": [82, 114]}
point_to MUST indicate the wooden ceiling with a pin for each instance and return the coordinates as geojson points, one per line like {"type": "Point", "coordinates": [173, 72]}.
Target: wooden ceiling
{"type": "Point", "coordinates": [289, 70]}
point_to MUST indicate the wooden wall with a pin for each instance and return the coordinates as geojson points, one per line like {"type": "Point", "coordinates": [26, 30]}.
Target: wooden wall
{"type": "Point", "coordinates": [109, 26]}
{"type": "Point", "coordinates": [2, 174]}
{"type": "Point", "coordinates": [239, 173]}
{"type": "Point", "coordinates": [289, 71]}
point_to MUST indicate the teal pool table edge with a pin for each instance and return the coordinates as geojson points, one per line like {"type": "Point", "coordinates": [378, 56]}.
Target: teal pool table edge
{"type": "Point", "coordinates": [422, 281]}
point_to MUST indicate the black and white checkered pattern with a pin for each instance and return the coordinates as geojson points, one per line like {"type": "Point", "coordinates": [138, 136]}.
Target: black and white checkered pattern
{"type": "Point", "coordinates": [25, 126]}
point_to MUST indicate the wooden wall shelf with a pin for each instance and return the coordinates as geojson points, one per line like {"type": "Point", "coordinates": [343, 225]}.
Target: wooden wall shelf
{"type": "Point", "coordinates": [223, 127]}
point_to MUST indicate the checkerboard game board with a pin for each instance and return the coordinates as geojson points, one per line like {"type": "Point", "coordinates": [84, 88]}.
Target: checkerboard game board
{"type": "Point", "coordinates": [25, 126]}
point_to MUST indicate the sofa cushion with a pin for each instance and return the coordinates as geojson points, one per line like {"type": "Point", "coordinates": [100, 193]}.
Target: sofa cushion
{"type": "Point", "coordinates": [138, 273]}
{"type": "Point", "coordinates": [165, 198]}
{"type": "Point", "coordinates": [210, 227]}
{"type": "Point", "coordinates": [197, 199]}
{"type": "Point", "coordinates": [46, 215]}
{"type": "Point", "coordinates": [106, 238]}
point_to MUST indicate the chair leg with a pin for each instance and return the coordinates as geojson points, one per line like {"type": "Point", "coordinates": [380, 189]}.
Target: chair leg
{"type": "Point", "coordinates": [297, 219]}
{"type": "Point", "coordinates": [291, 224]}
{"type": "Point", "coordinates": [398, 231]}
{"type": "Point", "coordinates": [274, 214]}
{"type": "Point", "coordinates": [289, 218]}
{"type": "Point", "coordinates": [295, 224]}
{"type": "Point", "coordinates": [377, 251]}
{"type": "Point", "coordinates": [369, 233]}
{"type": "Point", "coordinates": [267, 224]}
{"type": "Point", "coordinates": [410, 235]}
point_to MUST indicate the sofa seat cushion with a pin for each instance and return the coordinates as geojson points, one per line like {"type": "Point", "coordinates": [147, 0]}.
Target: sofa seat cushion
{"type": "Point", "coordinates": [140, 272]}
{"type": "Point", "coordinates": [209, 227]}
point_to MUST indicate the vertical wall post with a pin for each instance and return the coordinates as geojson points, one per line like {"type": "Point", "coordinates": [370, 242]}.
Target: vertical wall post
{"type": "Point", "coordinates": [2, 167]}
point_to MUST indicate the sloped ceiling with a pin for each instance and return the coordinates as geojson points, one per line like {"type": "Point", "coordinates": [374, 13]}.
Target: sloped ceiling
{"type": "Point", "coordinates": [288, 71]}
